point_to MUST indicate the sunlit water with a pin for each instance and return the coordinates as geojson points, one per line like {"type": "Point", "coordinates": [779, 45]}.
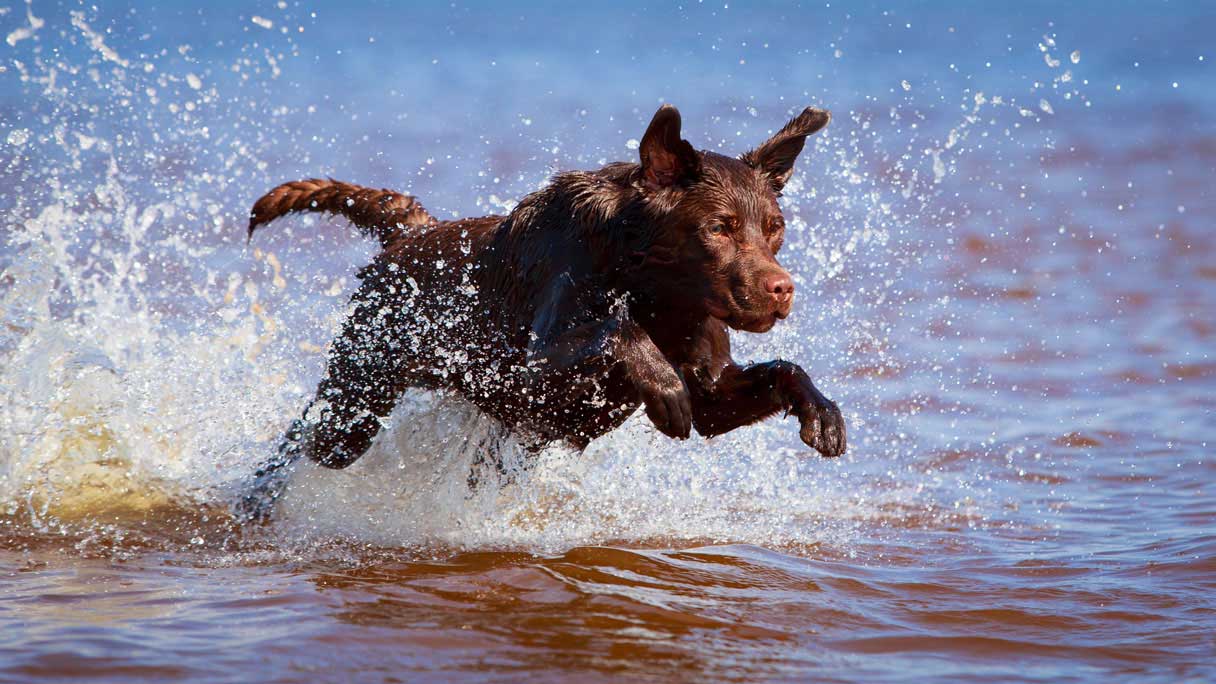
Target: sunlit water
{"type": "Point", "coordinates": [1007, 275]}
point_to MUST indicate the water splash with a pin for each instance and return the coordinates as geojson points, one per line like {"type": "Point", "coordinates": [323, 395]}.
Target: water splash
{"type": "Point", "coordinates": [151, 361]}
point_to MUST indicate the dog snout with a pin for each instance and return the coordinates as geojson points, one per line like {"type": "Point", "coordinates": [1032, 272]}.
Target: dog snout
{"type": "Point", "coordinates": [781, 288]}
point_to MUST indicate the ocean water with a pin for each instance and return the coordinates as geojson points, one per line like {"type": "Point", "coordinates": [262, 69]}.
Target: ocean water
{"type": "Point", "coordinates": [1006, 264]}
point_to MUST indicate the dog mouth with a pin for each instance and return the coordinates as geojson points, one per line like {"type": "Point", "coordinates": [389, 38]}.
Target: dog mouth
{"type": "Point", "coordinates": [738, 318]}
{"type": "Point", "coordinates": [754, 324]}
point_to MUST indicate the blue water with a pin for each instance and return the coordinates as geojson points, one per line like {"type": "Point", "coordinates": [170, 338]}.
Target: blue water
{"type": "Point", "coordinates": [1005, 257]}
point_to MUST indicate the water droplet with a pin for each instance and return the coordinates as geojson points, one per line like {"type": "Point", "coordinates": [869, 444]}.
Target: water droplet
{"type": "Point", "coordinates": [18, 137]}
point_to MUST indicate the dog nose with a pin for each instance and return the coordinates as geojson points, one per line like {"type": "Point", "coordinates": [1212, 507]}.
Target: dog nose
{"type": "Point", "coordinates": [781, 287]}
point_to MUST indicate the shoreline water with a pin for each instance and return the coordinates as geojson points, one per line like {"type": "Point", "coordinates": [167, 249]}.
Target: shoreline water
{"type": "Point", "coordinates": [1003, 250]}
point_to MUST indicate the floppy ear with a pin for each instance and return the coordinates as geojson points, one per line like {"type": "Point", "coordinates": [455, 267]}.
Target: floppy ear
{"type": "Point", "coordinates": [667, 159]}
{"type": "Point", "coordinates": [775, 157]}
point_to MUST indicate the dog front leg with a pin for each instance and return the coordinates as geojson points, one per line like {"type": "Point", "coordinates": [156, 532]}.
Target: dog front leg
{"type": "Point", "coordinates": [742, 395]}
{"type": "Point", "coordinates": [569, 358]}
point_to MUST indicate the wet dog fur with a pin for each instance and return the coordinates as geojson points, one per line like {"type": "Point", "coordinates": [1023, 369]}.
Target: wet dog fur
{"type": "Point", "coordinates": [603, 292]}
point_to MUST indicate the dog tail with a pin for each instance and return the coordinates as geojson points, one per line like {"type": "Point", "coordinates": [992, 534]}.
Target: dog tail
{"type": "Point", "coordinates": [379, 213]}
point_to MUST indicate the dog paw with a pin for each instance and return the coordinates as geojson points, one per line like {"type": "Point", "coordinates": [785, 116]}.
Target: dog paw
{"type": "Point", "coordinates": [669, 406]}
{"type": "Point", "coordinates": [270, 479]}
{"type": "Point", "coordinates": [822, 427]}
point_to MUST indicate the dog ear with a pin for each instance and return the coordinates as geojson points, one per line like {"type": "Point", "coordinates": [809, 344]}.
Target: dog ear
{"type": "Point", "coordinates": [775, 157]}
{"type": "Point", "coordinates": [667, 159]}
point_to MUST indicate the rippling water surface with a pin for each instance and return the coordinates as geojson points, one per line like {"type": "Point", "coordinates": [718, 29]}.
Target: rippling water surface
{"type": "Point", "coordinates": [1007, 275]}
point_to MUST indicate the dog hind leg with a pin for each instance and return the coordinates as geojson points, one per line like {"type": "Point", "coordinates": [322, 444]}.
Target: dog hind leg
{"type": "Point", "coordinates": [270, 479]}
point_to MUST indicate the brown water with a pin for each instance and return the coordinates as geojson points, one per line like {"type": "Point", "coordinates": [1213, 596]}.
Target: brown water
{"type": "Point", "coordinates": [1007, 280]}
{"type": "Point", "coordinates": [732, 612]}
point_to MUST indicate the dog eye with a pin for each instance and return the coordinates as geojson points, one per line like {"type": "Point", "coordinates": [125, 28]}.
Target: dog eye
{"type": "Point", "coordinates": [717, 229]}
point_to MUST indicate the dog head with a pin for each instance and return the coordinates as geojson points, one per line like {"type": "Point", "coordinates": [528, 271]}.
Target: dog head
{"type": "Point", "coordinates": [716, 223]}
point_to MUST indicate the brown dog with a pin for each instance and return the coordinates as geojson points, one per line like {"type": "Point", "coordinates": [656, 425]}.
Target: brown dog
{"type": "Point", "coordinates": [603, 291]}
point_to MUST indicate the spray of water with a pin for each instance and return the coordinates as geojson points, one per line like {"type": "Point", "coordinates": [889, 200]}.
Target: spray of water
{"type": "Point", "coordinates": [150, 360]}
